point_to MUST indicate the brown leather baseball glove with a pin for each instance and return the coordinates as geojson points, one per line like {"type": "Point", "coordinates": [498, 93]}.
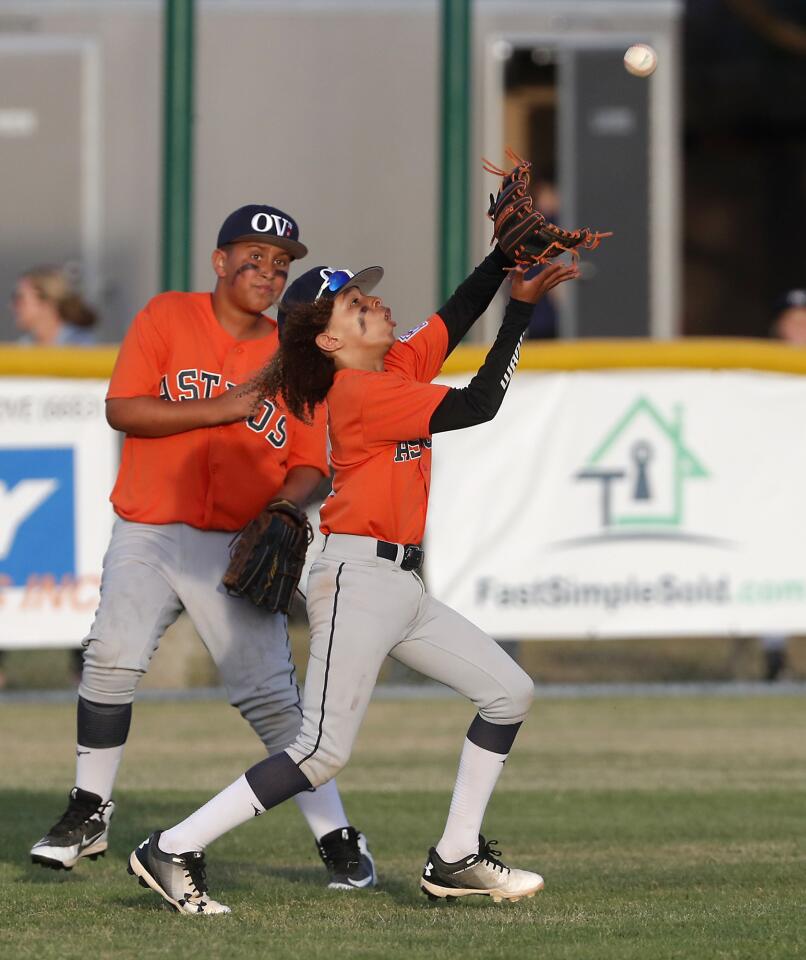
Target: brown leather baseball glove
{"type": "Point", "coordinates": [522, 232]}
{"type": "Point", "coordinates": [267, 557]}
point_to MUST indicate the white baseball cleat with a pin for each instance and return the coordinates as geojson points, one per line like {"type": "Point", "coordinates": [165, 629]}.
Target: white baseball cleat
{"type": "Point", "coordinates": [479, 874]}
{"type": "Point", "coordinates": [179, 878]}
{"type": "Point", "coordinates": [82, 832]}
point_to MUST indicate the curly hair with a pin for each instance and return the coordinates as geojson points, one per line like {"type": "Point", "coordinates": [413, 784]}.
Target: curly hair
{"type": "Point", "coordinates": [299, 372]}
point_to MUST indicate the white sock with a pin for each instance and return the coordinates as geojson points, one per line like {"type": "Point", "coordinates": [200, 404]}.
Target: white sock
{"type": "Point", "coordinates": [322, 809]}
{"type": "Point", "coordinates": [97, 768]}
{"type": "Point", "coordinates": [235, 805]}
{"type": "Point", "coordinates": [478, 774]}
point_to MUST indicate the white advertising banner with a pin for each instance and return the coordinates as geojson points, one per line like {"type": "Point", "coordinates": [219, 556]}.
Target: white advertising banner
{"type": "Point", "coordinates": [626, 503]}
{"type": "Point", "coordinates": [58, 459]}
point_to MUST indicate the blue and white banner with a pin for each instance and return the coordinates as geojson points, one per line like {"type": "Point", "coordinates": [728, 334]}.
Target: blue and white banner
{"type": "Point", "coordinates": [626, 504]}
{"type": "Point", "coordinates": [58, 459]}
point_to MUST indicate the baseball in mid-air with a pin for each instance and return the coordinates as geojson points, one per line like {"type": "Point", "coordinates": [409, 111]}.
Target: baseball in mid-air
{"type": "Point", "coordinates": [641, 60]}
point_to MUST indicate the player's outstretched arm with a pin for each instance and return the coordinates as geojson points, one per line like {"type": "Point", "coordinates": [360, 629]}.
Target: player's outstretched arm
{"type": "Point", "coordinates": [156, 417]}
{"type": "Point", "coordinates": [472, 297]}
{"type": "Point", "coordinates": [481, 399]}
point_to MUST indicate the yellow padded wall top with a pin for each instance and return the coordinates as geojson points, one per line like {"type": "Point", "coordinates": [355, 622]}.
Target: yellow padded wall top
{"type": "Point", "coordinates": [716, 353]}
{"type": "Point", "coordinates": [84, 363]}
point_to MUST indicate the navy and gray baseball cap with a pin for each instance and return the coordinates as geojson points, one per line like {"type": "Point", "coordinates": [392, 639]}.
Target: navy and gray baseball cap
{"type": "Point", "coordinates": [324, 283]}
{"type": "Point", "coordinates": [262, 224]}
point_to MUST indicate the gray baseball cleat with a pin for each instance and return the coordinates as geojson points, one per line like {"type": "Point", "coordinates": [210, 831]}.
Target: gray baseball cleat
{"type": "Point", "coordinates": [349, 863]}
{"type": "Point", "coordinates": [479, 874]}
{"type": "Point", "coordinates": [179, 878]}
{"type": "Point", "coordinates": [82, 832]}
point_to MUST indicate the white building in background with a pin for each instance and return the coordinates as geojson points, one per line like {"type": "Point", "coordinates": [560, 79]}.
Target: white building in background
{"type": "Point", "coordinates": [352, 153]}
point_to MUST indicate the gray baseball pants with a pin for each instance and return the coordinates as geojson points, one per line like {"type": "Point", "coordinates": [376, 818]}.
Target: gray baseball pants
{"type": "Point", "coordinates": [362, 608]}
{"type": "Point", "coordinates": [151, 573]}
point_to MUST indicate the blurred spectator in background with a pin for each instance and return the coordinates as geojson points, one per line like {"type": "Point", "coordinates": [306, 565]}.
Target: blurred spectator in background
{"type": "Point", "coordinates": [789, 325]}
{"type": "Point", "coordinates": [49, 311]}
{"type": "Point", "coordinates": [789, 321]}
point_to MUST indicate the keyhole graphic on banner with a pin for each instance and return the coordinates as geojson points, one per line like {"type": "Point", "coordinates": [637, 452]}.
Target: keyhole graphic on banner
{"type": "Point", "coordinates": [641, 453]}
{"type": "Point", "coordinates": [643, 466]}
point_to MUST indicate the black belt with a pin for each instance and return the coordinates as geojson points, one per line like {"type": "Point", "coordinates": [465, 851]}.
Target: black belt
{"type": "Point", "coordinates": [413, 555]}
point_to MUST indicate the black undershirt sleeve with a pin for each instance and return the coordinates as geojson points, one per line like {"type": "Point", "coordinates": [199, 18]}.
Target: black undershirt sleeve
{"type": "Point", "coordinates": [480, 400]}
{"type": "Point", "coordinates": [472, 297]}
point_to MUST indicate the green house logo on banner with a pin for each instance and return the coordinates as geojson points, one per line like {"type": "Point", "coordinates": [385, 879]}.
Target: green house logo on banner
{"type": "Point", "coordinates": [642, 467]}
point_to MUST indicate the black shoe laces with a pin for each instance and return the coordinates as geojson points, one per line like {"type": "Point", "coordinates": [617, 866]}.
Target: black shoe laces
{"type": "Point", "coordinates": [77, 812]}
{"type": "Point", "coordinates": [488, 854]}
{"type": "Point", "coordinates": [196, 872]}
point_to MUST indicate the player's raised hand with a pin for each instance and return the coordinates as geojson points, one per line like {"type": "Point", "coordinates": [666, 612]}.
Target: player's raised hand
{"type": "Point", "coordinates": [536, 287]}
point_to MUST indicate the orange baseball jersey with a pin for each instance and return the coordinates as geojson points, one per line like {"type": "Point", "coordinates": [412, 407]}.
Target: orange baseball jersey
{"type": "Point", "coordinates": [214, 478]}
{"type": "Point", "coordinates": [380, 442]}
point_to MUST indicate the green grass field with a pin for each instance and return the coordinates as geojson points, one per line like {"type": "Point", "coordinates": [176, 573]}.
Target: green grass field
{"type": "Point", "coordinates": [665, 828]}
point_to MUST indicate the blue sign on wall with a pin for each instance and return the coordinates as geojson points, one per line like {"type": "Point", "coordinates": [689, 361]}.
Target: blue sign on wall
{"type": "Point", "coordinates": [37, 513]}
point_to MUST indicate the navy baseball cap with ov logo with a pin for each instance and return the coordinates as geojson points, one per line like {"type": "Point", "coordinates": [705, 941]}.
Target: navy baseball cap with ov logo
{"type": "Point", "coordinates": [262, 224]}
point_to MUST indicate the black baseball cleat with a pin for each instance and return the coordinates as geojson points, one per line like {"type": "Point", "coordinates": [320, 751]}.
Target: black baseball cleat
{"type": "Point", "coordinates": [82, 832]}
{"type": "Point", "coordinates": [179, 878]}
{"type": "Point", "coordinates": [479, 874]}
{"type": "Point", "coordinates": [349, 863]}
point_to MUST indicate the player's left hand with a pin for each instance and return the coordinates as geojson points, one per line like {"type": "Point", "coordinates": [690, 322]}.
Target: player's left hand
{"type": "Point", "coordinates": [538, 285]}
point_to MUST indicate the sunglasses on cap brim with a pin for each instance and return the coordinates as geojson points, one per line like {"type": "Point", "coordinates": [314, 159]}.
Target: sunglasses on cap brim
{"type": "Point", "coordinates": [338, 280]}
{"type": "Point", "coordinates": [366, 280]}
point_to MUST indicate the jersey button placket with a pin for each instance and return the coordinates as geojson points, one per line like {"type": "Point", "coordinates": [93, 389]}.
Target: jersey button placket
{"type": "Point", "coordinates": [424, 474]}
{"type": "Point", "coordinates": [213, 466]}
{"type": "Point", "coordinates": [233, 365]}
{"type": "Point", "coordinates": [231, 378]}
